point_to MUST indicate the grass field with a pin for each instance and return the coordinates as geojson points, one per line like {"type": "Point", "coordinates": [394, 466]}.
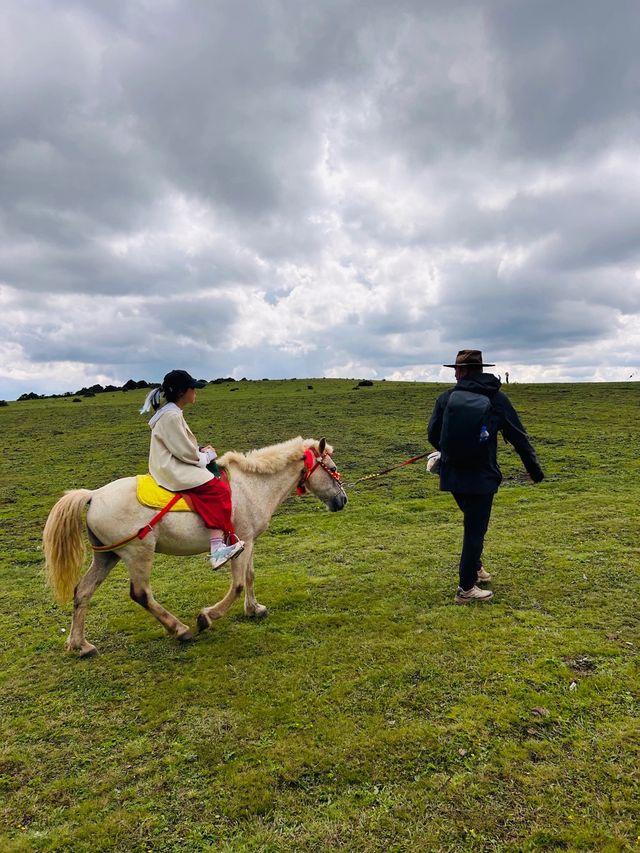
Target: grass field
{"type": "Point", "coordinates": [367, 713]}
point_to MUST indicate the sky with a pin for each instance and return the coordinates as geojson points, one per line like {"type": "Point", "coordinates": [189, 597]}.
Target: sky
{"type": "Point", "coordinates": [333, 188]}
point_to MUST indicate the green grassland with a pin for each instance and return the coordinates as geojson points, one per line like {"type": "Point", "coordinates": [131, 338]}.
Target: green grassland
{"type": "Point", "coordinates": [367, 712]}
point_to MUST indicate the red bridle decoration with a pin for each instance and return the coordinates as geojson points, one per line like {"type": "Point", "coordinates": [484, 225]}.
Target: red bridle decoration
{"type": "Point", "coordinates": [312, 460]}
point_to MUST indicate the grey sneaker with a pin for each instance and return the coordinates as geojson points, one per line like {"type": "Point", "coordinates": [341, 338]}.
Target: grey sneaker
{"type": "Point", "coordinates": [473, 594]}
{"type": "Point", "coordinates": [483, 575]}
{"type": "Point", "coordinates": [225, 552]}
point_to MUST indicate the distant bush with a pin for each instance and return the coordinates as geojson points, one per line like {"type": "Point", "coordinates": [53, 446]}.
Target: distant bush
{"type": "Point", "coordinates": [3, 403]}
{"type": "Point", "coordinates": [132, 385]}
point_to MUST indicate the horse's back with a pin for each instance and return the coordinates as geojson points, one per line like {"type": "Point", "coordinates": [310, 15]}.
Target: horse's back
{"type": "Point", "coordinates": [115, 490]}
{"type": "Point", "coordinates": [114, 507]}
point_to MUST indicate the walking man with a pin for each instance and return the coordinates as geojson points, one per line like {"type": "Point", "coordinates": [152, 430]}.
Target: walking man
{"type": "Point", "coordinates": [464, 427]}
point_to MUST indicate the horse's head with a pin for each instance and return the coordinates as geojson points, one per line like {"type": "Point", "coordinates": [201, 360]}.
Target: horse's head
{"type": "Point", "coordinates": [320, 476]}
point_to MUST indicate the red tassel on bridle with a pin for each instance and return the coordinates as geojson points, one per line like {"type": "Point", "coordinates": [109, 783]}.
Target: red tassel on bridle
{"type": "Point", "coordinates": [313, 460]}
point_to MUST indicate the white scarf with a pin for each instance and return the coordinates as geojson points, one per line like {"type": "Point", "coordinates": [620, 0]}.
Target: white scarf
{"type": "Point", "coordinates": [168, 407]}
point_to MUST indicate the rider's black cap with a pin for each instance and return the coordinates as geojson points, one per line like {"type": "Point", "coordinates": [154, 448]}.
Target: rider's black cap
{"type": "Point", "coordinates": [179, 381]}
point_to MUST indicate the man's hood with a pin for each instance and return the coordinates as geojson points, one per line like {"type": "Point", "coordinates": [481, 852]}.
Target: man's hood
{"type": "Point", "coordinates": [483, 383]}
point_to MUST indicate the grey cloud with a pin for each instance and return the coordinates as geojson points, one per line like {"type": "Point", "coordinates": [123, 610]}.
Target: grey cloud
{"type": "Point", "coordinates": [536, 313]}
{"type": "Point", "coordinates": [570, 73]}
{"type": "Point", "coordinates": [121, 333]}
{"type": "Point", "coordinates": [210, 92]}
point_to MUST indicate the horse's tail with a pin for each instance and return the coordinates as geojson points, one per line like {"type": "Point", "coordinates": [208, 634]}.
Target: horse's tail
{"type": "Point", "coordinates": [63, 543]}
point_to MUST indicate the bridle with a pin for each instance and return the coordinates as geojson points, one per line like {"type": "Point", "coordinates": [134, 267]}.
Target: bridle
{"type": "Point", "coordinates": [314, 459]}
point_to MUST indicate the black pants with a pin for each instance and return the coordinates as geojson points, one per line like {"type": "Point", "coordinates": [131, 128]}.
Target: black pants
{"type": "Point", "coordinates": [477, 512]}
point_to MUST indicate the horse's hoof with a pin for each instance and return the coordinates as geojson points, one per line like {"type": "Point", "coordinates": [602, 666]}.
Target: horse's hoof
{"type": "Point", "coordinates": [185, 637]}
{"type": "Point", "coordinates": [259, 612]}
{"type": "Point", "coordinates": [203, 623]}
{"type": "Point", "coordinates": [88, 651]}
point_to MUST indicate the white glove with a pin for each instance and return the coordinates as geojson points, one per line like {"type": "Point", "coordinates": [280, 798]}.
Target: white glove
{"type": "Point", "coordinates": [433, 462]}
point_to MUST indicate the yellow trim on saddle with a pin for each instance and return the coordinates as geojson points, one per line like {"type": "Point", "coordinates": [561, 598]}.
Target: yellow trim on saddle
{"type": "Point", "coordinates": [149, 493]}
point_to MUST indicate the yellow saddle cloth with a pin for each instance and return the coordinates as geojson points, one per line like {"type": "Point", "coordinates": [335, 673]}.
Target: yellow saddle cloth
{"type": "Point", "coordinates": [149, 493]}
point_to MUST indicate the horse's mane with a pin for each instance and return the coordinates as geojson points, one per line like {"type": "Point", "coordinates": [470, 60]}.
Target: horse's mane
{"type": "Point", "coordinates": [270, 460]}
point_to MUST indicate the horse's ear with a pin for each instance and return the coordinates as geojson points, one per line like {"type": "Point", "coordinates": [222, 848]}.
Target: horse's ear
{"type": "Point", "coordinates": [322, 445]}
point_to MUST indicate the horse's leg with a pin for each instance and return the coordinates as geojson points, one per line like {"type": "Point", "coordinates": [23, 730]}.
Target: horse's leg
{"type": "Point", "coordinates": [251, 606]}
{"type": "Point", "coordinates": [100, 567]}
{"type": "Point", "coordinates": [139, 565]}
{"type": "Point", "coordinates": [238, 570]}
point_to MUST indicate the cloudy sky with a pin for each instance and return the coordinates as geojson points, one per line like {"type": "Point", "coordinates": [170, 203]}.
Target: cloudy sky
{"type": "Point", "coordinates": [284, 188]}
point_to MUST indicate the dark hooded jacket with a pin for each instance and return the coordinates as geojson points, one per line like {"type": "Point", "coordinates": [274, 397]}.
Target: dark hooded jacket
{"type": "Point", "coordinates": [485, 477]}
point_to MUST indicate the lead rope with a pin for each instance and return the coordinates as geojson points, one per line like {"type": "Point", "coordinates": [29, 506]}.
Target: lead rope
{"type": "Point", "coordinates": [388, 470]}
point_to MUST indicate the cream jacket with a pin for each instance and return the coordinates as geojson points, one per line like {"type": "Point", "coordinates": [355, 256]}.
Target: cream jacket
{"type": "Point", "coordinates": [175, 461]}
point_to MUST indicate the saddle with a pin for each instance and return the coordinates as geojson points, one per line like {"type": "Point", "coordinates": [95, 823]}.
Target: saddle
{"type": "Point", "coordinates": [149, 493]}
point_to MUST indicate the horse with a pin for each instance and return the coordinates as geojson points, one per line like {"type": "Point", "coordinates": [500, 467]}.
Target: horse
{"type": "Point", "coordinates": [260, 481]}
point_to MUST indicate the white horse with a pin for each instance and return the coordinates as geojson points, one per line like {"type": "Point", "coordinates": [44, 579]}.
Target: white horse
{"type": "Point", "coordinates": [260, 482]}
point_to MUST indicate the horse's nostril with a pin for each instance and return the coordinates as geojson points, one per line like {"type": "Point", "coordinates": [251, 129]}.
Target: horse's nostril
{"type": "Point", "coordinates": [337, 503]}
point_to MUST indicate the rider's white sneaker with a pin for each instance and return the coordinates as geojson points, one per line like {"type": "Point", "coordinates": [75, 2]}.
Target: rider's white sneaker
{"type": "Point", "coordinates": [225, 552]}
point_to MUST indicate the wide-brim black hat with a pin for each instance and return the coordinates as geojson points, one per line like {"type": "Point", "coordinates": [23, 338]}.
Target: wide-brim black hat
{"type": "Point", "coordinates": [469, 358]}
